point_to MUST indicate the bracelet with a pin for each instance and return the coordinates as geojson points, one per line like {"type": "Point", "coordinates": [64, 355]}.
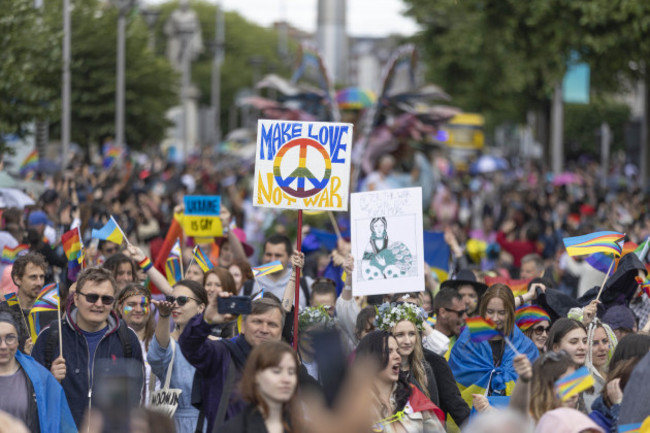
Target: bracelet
{"type": "Point", "coordinates": [145, 264]}
{"type": "Point", "coordinates": [164, 316]}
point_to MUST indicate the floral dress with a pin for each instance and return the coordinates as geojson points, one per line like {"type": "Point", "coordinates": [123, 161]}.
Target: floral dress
{"type": "Point", "coordinates": [383, 260]}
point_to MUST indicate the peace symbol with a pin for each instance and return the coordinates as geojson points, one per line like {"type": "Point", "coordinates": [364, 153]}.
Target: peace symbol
{"type": "Point", "coordinates": [301, 174]}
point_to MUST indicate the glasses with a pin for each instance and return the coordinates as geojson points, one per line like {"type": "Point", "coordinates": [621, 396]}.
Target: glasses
{"type": "Point", "coordinates": [181, 300]}
{"type": "Point", "coordinates": [541, 330]}
{"type": "Point", "coordinates": [460, 313]}
{"type": "Point", "coordinates": [9, 340]}
{"type": "Point", "coordinates": [93, 298]}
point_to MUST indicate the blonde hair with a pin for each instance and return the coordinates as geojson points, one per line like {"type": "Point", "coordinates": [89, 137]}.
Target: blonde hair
{"type": "Point", "coordinates": [591, 330]}
{"type": "Point", "coordinates": [417, 363]}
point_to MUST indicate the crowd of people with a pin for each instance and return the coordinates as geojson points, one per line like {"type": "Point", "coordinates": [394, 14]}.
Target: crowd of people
{"type": "Point", "coordinates": [134, 352]}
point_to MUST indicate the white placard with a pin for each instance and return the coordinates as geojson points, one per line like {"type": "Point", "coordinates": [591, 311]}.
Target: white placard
{"type": "Point", "coordinates": [387, 241]}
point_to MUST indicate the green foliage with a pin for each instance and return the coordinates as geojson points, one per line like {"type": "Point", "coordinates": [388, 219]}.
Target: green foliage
{"type": "Point", "coordinates": [29, 65]}
{"type": "Point", "coordinates": [582, 125]}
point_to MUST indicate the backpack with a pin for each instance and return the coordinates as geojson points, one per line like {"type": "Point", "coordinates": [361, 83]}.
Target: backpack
{"type": "Point", "coordinates": [53, 340]}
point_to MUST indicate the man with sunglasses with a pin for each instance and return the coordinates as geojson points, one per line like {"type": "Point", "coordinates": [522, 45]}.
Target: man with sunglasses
{"type": "Point", "coordinates": [92, 335]}
{"type": "Point", "coordinates": [451, 313]}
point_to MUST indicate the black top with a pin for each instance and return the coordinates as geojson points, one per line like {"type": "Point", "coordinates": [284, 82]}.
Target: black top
{"type": "Point", "coordinates": [250, 420]}
{"type": "Point", "coordinates": [449, 396]}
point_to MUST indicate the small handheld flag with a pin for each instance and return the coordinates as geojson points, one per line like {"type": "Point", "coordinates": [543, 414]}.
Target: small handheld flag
{"type": "Point", "coordinates": [110, 232]}
{"type": "Point", "coordinates": [11, 299]}
{"type": "Point", "coordinates": [267, 268]}
{"type": "Point", "coordinates": [173, 270]}
{"type": "Point", "coordinates": [575, 383]}
{"type": "Point", "coordinates": [601, 262]}
{"type": "Point", "coordinates": [9, 255]}
{"type": "Point", "coordinates": [598, 242]}
{"type": "Point", "coordinates": [29, 165]}
{"type": "Point", "coordinates": [47, 299]}
{"type": "Point", "coordinates": [630, 428]}
{"type": "Point", "coordinates": [526, 317]}
{"type": "Point", "coordinates": [481, 329]}
{"type": "Point", "coordinates": [202, 259]}
{"type": "Point", "coordinates": [645, 284]}
{"type": "Point", "coordinates": [111, 154]}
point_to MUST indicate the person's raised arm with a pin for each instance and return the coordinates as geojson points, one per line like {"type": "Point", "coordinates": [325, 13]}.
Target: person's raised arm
{"type": "Point", "coordinates": [157, 279]}
{"type": "Point", "coordinates": [520, 398]}
{"type": "Point", "coordinates": [347, 309]}
{"type": "Point", "coordinates": [297, 262]}
{"type": "Point", "coordinates": [162, 327]}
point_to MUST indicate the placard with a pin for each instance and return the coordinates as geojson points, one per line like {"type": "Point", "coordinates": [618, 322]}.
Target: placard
{"type": "Point", "coordinates": [387, 241]}
{"type": "Point", "coordinates": [201, 217]}
{"type": "Point", "coordinates": [302, 165]}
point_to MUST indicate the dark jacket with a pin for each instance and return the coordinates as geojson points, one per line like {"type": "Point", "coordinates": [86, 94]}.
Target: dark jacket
{"type": "Point", "coordinates": [250, 420]}
{"type": "Point", "coordinates": [605, 417]}
{"type": "Point", "coordinates": [78, 383]}
{"type": "Point", "coordinates": [212, 360]}
{"type": "Point", "coordinates": [451, 401]}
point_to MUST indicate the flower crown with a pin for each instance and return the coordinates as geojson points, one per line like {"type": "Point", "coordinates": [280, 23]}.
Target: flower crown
{"type": "Point", "coordinates": [389, 315]}
{"type": "Point", "coordinates": [314, 316]}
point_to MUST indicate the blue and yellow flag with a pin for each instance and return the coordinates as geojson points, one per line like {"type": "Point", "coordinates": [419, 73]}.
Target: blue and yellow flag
{"type": "Point", "coordinates": [110, 232]}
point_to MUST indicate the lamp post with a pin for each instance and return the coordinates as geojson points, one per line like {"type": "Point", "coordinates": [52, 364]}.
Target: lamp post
{"type": "Point", "coordinates": [65, 90]}
{"type": "Point", "coordinates": [151, 17]}
{"type": "Point", "coordinates": [219, 51]}
{"type": "Point", "coordinates": [123, 6]}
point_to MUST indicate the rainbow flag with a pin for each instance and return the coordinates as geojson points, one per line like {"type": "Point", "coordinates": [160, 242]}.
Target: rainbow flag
{"type": "Point", "coordinates": [29, 165]}
{"type": "Point", "coordinates": [72, 244]}
{"type": "Point", "coordinates": [202, 259]}
{"type": "Point", "coordinates": [601, 262]}
{"type": "Point", "coordinates": [481, 329]}
{"type": "Point", "coordinates": [644, 283]}
{"type": "Point", "coordinates": [111, 154]}
{"type": "Point", "coordinates": [173, 270]}
{"type": "Point", "coordinates": [575, 383]}
{"type": "Point", "coordinates": [47, 299]}
{"type": "Point", "coordinates": [527, 316]}
{"type": "Point", "coordinates": [598, 242]}
{"type": "Point", "coordinates": [11, 299]}
{"type": "Point", "coordinates": [9, 255]}
{"type": "Point", "coordinates": [630, 428]}
{"type": "Point", "coordinates": [267, 268]}
{"type": "Point", "coordinates": [518, 287]}
{"type": "Point", "coordinates": [110, 232]}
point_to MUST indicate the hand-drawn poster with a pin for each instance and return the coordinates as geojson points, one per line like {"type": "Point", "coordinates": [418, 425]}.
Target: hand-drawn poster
{"type": "Point", "coordinates": [302, 165]}
{"type": "Point", "coordinates": [387, 241]}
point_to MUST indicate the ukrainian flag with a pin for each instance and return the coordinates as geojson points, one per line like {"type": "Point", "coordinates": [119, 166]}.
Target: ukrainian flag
{"type": "Point", "coordinates": [110, 232]}
{"type": "Point", "coordinates": [473, 365]}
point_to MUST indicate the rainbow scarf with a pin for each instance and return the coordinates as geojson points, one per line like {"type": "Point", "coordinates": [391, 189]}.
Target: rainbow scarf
{"type": "Point", "coordinates": [473, 365]}
{"type": "Point", "coordinates": [598, 242]}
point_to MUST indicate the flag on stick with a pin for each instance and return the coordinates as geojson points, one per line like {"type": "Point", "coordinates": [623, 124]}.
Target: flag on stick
{"type": "Point", "coordinates": [110, 232]}
{"type": "Point", "coordinates": [267, 268]}
{"type": "Point", "coordinates": [481, 329]}
{"type": "Point", "coordinates": [575, 383]}
{"type": "Point", "coordinates": [598, 242]}
{"type": "Point", "coordinates": [9, 255]}
{"type": "Point", "coordinates": [173, 270]}
{"type": "Point", "coordinates": [202, 259]}
{"type": "Point", "coordinates": [29, 165]}
{"type": "Point", "coordinates": [11, 299]}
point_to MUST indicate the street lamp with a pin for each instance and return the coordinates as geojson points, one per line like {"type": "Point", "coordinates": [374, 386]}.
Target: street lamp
{"type": "Point", "coordinates": [151, 17]}
{"type": "Point", "coordinates": [123, 7]}
{"type": "Point", "coordinates": [219, 51]}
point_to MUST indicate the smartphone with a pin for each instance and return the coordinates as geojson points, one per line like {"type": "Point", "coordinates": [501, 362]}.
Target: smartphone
{"type": "Point", "coordinates": [234, 305]}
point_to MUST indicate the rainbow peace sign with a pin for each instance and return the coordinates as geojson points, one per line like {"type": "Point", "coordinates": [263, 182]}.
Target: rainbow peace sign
{"type": "Point", "coordinates": [301, 174]}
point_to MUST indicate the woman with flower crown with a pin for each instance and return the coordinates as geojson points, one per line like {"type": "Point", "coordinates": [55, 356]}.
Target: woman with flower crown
{"type": "Point", "coordinates": [399, 406]}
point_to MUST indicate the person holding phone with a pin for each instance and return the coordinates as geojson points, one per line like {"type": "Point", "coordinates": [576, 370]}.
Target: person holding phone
{"type": "Point", "coordinates": [270, 387]}
{"type": "Point", "coordinates": [187, 300]}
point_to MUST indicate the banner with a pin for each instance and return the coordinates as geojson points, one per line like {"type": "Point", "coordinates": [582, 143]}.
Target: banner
{"type": "Point", "coordinates": [387, 241]}
{"type": "Point", "coordinates": [201, 217]}
{"type": "Point", "coordinates": [302, 165]}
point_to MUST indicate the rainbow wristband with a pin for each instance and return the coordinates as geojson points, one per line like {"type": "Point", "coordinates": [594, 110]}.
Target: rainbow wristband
{"type": "Point", "coordinates": [145, 264]}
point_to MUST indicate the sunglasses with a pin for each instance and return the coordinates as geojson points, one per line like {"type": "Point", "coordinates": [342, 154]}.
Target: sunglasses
{"type": "Point", "coordinates": [92, 298]}
{"type": "Point", "coordinates": [539, 330]}
{"type": "Point", "coordinates": [181, 300]}
{"type": "Point", "coordinates": [460, 313]}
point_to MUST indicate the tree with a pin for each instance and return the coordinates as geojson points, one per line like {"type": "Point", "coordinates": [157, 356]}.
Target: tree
{"type": "Point", "coordinates": [29, 68]}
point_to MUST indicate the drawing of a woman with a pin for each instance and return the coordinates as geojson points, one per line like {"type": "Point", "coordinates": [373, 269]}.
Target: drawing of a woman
{"type": "Point", "coordinates": [381, 259]}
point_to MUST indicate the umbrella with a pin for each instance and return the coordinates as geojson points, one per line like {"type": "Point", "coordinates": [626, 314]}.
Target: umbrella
{"type": "Point", "coordinates": [355, 98]}
{"type": "Point", "coordinates": [12, 197]}
{"type": "Point", "coordinates": [488, 164]}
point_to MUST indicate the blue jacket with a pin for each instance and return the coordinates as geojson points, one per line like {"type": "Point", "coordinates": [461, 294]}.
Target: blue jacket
{"type": "Point", "coordinates": [79, 380]}
{"type": "Point", "coordinates": [53, 411]}
{"type": "Point", "coordinates": [605, 417]}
